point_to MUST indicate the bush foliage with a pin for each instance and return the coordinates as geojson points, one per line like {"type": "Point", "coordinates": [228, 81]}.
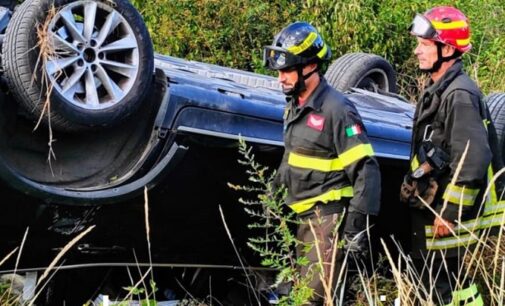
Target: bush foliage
{"type": "Point", "coordinates": [232, 33]}
{"type": "Point", "coordinates": [381, 27]}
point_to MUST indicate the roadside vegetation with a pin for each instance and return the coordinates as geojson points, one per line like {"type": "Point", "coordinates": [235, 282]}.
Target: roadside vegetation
{"type": "Point", "coordinates": [390, 277]}
{"type": "Point", "coordinates": [232, 33]}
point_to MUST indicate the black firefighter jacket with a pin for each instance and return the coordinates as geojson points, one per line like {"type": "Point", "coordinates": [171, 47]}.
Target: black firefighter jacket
{"type": "Point", "coordinates": [328, 159]}
{"type": "Point", "coordinates": [450, 114]}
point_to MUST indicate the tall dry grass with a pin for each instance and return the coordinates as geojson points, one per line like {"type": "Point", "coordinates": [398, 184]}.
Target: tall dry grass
{"type": "Point", "coordinates": [393, 277]}
{"type": "Point", "coordinates": [11, 297]}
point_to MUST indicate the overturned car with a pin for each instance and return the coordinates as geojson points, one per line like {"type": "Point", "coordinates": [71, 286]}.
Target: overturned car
{"type": "Point", "coordinates": [114, 119]}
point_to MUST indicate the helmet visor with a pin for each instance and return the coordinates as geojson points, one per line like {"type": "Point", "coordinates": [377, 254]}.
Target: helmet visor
{"type": "Point", "coordinates": [277, 58]}
{"type": "Point", "coordinates": [422, 27]}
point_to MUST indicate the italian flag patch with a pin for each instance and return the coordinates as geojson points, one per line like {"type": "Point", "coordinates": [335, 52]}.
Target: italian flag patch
{"type": "Point", "coordinates": [353, 130]}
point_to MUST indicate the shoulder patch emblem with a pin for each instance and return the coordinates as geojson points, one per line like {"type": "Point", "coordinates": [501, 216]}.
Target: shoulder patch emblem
{"type": "Point", "coordinates": [353, 130]}
{"type": "Point", "coordinates": [316, 122]}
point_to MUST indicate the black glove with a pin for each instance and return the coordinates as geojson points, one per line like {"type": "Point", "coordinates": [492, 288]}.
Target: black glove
{"type": "Point", "coordinates": [355, 222]}
{"type": "Point", "coordinates": [408, 189]}
{"type": "Point", "coordinates": [356, 237]}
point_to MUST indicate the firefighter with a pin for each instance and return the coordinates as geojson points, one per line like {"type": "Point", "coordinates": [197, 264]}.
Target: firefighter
{"type": "Point", "coordinates": [328, 165]}
{"type": "Point", "coordinates": [450, 118]}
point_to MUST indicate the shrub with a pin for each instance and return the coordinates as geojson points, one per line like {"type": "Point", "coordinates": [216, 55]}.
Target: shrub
{"type": "Point", "coordinates": [381, 27]}
{"type": "Point", "coordinates": [232, 33]}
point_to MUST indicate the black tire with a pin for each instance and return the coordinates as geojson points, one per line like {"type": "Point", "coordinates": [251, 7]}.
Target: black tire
{"type": "Point", "coordinates": [496, 105]}
{"type": "Point", "coordinates": [20, 61]}
{"type": "Point", "coordinates": [362, 70]}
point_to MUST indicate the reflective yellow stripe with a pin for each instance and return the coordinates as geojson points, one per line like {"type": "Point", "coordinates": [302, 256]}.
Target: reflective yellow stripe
{"type": "Point", "coordinates": [311, 38]}
{"type": "Point", "coordinates": [438, 25]}
{"type": "Point", "coordinates": [493, 220]}
{"type": "Point", "coordinates": [470, 225]}
{"type": "Point", "coordinates": [492, 205]}
{"type": "Point", "coordinates": [463, 42]}
{"type": "Point", "coordinates": [450, 242]}
{"type": "Point", "coordinates": [460, 195]}
{"type": "Point", "coordinates": [323, 51]}
{"type": "Point", "coordinates": [333, 164]}
{"type": "Point", "coordinates": [356, 153]}
{"type": "Point", "coordinates": [473, 225]}
{"type": "Point", "coordinates": [494, 208]}
{"type": "Point", "coordinates": [486, 123]}
{"type": "Point", "coordinates": [477, 302]}
{"type": "Point", "coordinates": [332, 195]}
{"type": "Point", "coordinates": [492, 192]}
{"type": "Point", "coordinates": [492, 199]}
{"type": "Point", "coordinates": [464, 294]}
{"type": "Point", "coordinates": [467, 296]}
{"type": "Point", "coordinates": [414, 164]}
{"type": "Point", "coordinates": [320, 164]}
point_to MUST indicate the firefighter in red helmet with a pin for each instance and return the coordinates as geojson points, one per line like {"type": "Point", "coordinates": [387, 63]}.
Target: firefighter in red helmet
{"type": "Point", "coordinates": [450, 118]}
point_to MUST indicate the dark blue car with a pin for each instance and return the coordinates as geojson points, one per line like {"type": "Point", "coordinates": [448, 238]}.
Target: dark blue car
{"type": "Point", "coordinates": [117, 122]}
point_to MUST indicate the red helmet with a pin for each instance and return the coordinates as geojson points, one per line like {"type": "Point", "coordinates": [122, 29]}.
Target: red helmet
{"type": "Point", "coordinates": [445, 24]}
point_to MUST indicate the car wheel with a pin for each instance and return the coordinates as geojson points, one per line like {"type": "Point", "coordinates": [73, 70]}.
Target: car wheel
{"type": "Point", "coordinates": [362, 70]}
{"type": "Point", "coordinates": [496, 105]}
{"type": "Point", "coordinates": [99, 66]}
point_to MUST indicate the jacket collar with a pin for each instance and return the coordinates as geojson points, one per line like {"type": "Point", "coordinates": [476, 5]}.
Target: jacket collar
{"type": "Point", "coordinates": [313, 101]}
{"type": "Point", "coordinates": [430, 99]}
{"type": "Point", "coordinates": [441, 85]}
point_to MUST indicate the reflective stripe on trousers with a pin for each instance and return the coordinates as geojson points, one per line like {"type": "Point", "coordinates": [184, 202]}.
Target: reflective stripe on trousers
{"type": "Point", "coordinates": [469, 296]}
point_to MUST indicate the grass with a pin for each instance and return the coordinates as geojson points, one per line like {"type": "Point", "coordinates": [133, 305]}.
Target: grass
{"type": "Point", "coordinates": [392, 277]}
{"type": "Point", "coordinates": [142, 290]}
{"type": "Point", "coordinates": [47, 53]}
{"type": "Point", "coordinates": [389, 278]}
{"type": "Point", "coordinates": [11, 297]}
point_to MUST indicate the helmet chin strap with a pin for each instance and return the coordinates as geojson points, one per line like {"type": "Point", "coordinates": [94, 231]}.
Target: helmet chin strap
{"type": "Point", "coordinates": [440, 59]}
{"type": "Point", "coordinates": [300, 83]}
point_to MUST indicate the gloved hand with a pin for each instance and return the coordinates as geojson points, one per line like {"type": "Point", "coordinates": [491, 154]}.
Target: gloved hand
{"type": "Point", "coordinates": [356, 237]}
{"type": "Point", "coordinates": [408, 189]}
{"type": "Point", "coordinates": [426, 188]}
{"type": "Point", "coordinates": [428, 195]}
